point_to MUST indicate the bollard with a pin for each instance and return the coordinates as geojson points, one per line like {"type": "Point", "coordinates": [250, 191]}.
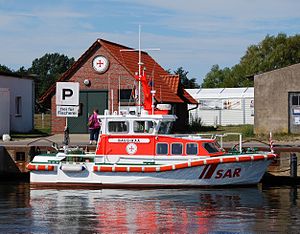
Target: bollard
{"type": "Point", "coordinates": [293, 165]}
{"type": "Point", "coordinates": [66, 136]}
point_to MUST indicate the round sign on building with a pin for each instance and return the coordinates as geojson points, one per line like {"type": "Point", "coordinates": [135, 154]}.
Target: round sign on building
{"type": "Point", "coordinates": [100, 64]}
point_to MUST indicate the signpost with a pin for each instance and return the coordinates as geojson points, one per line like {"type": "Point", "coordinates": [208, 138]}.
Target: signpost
{"type": "Point", "coordinates": [67, 103]}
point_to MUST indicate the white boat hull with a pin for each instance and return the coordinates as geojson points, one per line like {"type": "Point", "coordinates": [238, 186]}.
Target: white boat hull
{"type": "Point", "coordinates": [237, 173]}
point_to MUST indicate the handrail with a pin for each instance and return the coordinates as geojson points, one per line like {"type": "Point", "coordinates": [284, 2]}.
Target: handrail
{"type": "Point", "coordinates": [231, 134]}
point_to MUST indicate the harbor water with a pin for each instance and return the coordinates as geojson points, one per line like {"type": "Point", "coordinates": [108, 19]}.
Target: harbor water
{"type": "Point", "coordinates": [24, 209]}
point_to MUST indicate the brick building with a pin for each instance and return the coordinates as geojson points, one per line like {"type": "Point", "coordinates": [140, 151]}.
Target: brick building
{"type": "Point", "coordinates": [106, 73]}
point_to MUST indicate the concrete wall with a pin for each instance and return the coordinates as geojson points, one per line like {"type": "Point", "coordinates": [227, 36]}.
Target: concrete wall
{"type": "Point", "coordinates": [24, 88]}
{"type": "Point", "coordinates": [4, 112]}
{"type": "Point", "coordinates": [271, 106]}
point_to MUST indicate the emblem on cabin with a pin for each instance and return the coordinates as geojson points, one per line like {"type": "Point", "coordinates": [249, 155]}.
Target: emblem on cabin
{"type": "Point", "coordinates": [100, 64]}
{"type": "Point", "coordinates": [131, 148]}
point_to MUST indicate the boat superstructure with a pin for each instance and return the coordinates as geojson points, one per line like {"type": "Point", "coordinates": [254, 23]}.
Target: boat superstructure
{"type": "Point", "coordinates": [137, 150]}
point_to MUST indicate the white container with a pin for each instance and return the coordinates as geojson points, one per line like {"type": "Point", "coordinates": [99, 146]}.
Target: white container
{"type": "Point", "coordinates": [6, 137]}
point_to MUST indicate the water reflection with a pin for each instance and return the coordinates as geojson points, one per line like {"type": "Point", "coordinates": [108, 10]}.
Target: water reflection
{"type": "Point", "coordinates": [148, 211]}
{"type": "Point", "coordinates": [128, 211]}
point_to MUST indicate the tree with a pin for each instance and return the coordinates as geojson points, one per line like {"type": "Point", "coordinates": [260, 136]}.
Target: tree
{"type": "Point", "coordinates": [4, 68]}
{"type": "Point", "coordinates": [185, 81]}
{"type": "Point", "coordinates": [22, 71]}
{"type": "Point", "coordinates": [273, 52]}
{"type": "Point", "coordinates": [48, 69]}
{"type": "Point", "coordinates": [216, 77]}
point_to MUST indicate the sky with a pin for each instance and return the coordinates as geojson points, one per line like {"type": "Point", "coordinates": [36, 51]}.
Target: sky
{"type": "Point", "coordinates": [193, 34]}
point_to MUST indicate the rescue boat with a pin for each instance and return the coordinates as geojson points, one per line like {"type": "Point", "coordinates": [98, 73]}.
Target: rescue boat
{"type": "Point", "coordinates": [138, 149]}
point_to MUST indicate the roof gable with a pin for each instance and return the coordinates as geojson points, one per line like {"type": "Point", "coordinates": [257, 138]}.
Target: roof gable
{"type": "Point", "coordinates": [166, 88]}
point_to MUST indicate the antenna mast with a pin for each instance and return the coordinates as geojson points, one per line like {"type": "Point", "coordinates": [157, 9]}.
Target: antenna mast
{"type": "Point", "coordinates": [140, 67]}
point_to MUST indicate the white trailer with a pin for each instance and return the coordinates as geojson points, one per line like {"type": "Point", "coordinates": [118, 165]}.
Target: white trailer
{"type": "Point", "coordinates": [223, 106]}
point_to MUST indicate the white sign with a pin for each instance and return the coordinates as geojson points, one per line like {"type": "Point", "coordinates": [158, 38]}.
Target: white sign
{"type": "Point", "coordinates": [297, 120]}
{"type": "Point", "coordinates": [67, 111]}
{"type": "Point", "coordinates": [232, 104]}
{"type": "Point", "coordinates": [129, 140]}
{"type": "Point", "coordinates": [296, 111]}
{"type": "Point", "coordinates": [67, 93]}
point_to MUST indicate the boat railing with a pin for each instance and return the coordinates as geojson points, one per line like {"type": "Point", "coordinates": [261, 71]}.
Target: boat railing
{"type": "Point", "coordinates": [200, 136]}
{"type": "Point", "coordinates": [221, 136]}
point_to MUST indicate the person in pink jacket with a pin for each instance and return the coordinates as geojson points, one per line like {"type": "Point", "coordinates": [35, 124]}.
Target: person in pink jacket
{"type": "Point", "coordinates": [94, 127]}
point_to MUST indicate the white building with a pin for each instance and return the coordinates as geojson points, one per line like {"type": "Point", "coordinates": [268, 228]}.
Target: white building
{"type": "Point", "coordinates": [223, 106]}
{"type": "Point", "coordinates": [17, 110]}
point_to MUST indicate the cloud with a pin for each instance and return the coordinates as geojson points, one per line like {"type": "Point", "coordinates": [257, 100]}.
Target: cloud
{"type": "Point", "coordinates": [194, 34]}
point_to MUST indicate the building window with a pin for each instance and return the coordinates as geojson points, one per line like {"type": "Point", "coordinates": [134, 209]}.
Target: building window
{"type": "Point", "coordinates": [162, 148]}
{"type": "Point", "coordinates": [118, 127]}
{"type": "Point", "coordinates": [126, 96]}
{"type": "Point", "coordinates": [20, 156]}
{"type": "Point", "coordinates": [295, 100]}
{"type": "Point", "coordinates": [18, 106]}
{"type": "Point", "coordinates": [191, 149]}
{"type": "Point", "coordinates": [177, 148]}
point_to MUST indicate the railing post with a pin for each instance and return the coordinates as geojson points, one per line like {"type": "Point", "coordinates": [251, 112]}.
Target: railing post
{"type": "Point", "coordinates": [240, 143]}
{"type": "Point", "coordinates": [293, 165]}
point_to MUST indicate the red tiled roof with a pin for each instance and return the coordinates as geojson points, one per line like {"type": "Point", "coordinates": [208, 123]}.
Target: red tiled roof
{"type": "Point", "coordinates": [188, 98]}
{"type": "Point", "coordinates": [153, 69]}
{"type": "Point", "coordinates": [166, 88]}
{"type": "Point", "coordinates": [173, 81]}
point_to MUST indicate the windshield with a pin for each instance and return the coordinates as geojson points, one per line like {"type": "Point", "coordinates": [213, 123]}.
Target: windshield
{"type": "Point", "coordinates": [143, 126]}
{"type": "Point", "coordinates": [165, 127]}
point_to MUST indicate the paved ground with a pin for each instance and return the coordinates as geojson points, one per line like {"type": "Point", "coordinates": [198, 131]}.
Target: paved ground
{"type": "Point", "coordinates": [75, 139]}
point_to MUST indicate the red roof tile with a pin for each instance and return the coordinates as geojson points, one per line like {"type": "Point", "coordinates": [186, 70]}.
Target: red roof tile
{"type": "Point", "coordinates": [154, 71]}
{"type": "Point", "coordinates": [166, 88]}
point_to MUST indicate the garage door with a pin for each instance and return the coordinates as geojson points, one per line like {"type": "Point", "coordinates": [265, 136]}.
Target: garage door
{"type": "Point", "coordinates": [88, 100]}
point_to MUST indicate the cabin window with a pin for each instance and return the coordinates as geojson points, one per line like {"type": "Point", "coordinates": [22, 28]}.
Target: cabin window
{"type": "Point", "coordinates": [191, 149]}
{"type": "Point", "coordinates": [118, 127]}
{"type": "Point", "coordinates": [177, 148]}
{"type": "Point", "coordinates": [165, 127]}
{"type": "Point", "coordinates": [162, 148]}
{"type": "Point", "coordinates": [210, 148]}
{"type": "Point", "coordinates": [143, 126]}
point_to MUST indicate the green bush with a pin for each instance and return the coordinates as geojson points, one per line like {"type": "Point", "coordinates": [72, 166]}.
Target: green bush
{"type": "Point", "coordinates": [196, 125]}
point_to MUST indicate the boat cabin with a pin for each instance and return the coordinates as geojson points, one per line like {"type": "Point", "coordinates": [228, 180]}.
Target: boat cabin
{"type": "Point", "coordinates": [149, 135]}
{"type": "Point", "coordinates": [136, 125]}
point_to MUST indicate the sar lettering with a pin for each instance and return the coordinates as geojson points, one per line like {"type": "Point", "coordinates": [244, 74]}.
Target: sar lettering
{"type": "Point", "coordinates": [229, 173]}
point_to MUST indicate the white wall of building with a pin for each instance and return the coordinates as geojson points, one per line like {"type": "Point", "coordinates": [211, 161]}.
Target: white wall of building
{"type": "Point", "coordinates": [223, 106]}
{"type": "Point", "coordinates": [21, 102]}
{"type": "Point", "coordinates": [4, 111]}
